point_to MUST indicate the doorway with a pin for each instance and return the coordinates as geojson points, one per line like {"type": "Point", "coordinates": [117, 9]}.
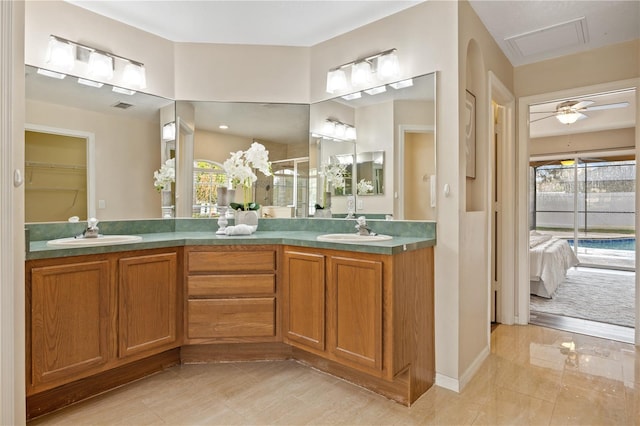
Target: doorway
{"type": "Point", "coordinates": [572, 146]}
{"type": "Point", "coordinates": [59, 174]}
{"type": "Point", "coordinates": [417, 173]}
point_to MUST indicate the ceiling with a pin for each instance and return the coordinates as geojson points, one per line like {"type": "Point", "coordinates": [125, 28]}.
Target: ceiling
{"type": "Point", "coordinates": [526, 30]}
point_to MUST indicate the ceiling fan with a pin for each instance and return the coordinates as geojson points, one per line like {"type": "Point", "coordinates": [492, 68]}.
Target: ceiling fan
{"type": "Point", "coordinates": [568, 112]}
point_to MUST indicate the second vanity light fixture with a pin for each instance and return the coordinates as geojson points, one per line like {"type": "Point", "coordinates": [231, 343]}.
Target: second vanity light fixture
{"type": "Point", "coordinates": [337, 130]}
{"type": "Point", "coordinates": [63, 55]}
{"type": "Point", "coordinates": [383, 66]}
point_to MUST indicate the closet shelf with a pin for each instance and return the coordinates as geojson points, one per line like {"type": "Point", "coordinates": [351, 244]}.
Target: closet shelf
{"type": "Point", "coordinates": [38, 164]}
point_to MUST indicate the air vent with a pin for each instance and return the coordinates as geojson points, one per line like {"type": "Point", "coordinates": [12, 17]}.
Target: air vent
{"type": "Point", "coordinates": [553, 39]}
{"type": "Point", "coordinates": [122, 105]}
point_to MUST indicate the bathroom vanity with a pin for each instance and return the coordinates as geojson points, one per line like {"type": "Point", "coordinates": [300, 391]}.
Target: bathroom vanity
{"type": "Point", "coordinates": [101, 317]}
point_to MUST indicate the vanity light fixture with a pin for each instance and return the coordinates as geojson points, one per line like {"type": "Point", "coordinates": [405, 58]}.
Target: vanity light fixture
{"type": "Point", "coordinates": [134, 75]}
{"type": "Point", "coordinates": [90, 83]}
{"type": "Point", "coordinates": [337, 130]}
{"type": "Point", "coordinates": [336, 81]}
{"type": "Point", "coordinates": [361, 74]}
{"type": "Point", "coordinates": [388, 65]}
{"type": "Point", "coordinates": [402, 84]}
{"type": "Point", "coordinates": [123, 91]}
{"type": "Point", "coordinates": [60, 54]}
{"type": "Point", "coordinates": [100, 66]}
{"type": "Point", "coordinates": [169, 131]}
{"type": "Point", "coordinates": [376, 90]}
{"type": "Point", "coordinates": [64, 54]}
{"type": "Point", "coordinates": [385, 65]}
{"type": "Point", "coordinates": [51, 74]}
{"type": "Point", "coordinates": [352, 96]}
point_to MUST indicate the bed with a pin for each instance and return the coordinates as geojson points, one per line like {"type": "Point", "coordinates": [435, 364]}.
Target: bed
{"type": "Point", "coordinates": [549, 260]}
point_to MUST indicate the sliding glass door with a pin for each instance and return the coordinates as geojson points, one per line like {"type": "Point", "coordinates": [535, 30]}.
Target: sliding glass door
{"type": "Point", "coordinates": [591, 203]}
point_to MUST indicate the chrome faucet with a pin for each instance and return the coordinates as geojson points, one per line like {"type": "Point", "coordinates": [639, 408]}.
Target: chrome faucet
{"type": "Point", "coordinates": [361, 226]}
{"type": "Point", "coordinates": [92, 229]}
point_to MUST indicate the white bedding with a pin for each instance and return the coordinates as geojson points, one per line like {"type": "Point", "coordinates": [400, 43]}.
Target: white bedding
{"type": "Point", "coordinates": [549, 260]}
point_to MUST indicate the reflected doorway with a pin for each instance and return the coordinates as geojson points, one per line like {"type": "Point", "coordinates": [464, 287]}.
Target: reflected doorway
{"type": "Point", "coordinates": [418, 174]}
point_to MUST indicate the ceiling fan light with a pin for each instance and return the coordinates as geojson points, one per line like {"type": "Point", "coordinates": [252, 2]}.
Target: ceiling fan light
{"type": "Point", "coordinates": [568, 117]}
{"type": "Point", "coordinates": [567, 162]}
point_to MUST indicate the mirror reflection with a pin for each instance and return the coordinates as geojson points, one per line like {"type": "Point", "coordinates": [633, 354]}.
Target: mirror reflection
{"type": "Point", "coordinates": [391, 160]}
{"type": "Point", "coordinates": [90, 150]}
{"type": "Point", "coordinates": [209, 132]}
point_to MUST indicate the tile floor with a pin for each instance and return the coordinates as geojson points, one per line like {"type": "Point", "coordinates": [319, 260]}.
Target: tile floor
{"type": "Point", "coordinates": [534, 375]}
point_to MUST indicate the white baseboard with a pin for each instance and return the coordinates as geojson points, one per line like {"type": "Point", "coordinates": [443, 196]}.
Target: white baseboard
{"type": "Point", "coordinates": [457, 385]}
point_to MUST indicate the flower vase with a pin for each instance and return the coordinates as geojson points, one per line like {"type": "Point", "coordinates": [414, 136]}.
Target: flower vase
{"type": "Point", "coordinates": [167, 203]}
{"type": "Point", "coordinates": [247, 217]}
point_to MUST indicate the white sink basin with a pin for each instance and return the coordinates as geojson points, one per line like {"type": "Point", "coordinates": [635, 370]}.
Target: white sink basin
{"type": "Point", "coordinates": [102, 240]}
{"type": "Point", "coordinates": [353, 238]}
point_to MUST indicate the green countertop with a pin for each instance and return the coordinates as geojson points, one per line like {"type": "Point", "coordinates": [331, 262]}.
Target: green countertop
{"type": "Point", "coordinates": [40, 249]}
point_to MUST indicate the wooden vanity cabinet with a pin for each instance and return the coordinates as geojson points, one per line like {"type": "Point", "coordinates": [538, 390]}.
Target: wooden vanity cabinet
{"type": "Point", "coordinates": [364, 317]}
{"type": "Point", "coordinates": [89, 315]}
{"type": "Point", "coordinates": [231, 294]}
{"type": "Point", "coordinates": [147, 304]}
{"type": "Point", "coordinates": [70, 321]}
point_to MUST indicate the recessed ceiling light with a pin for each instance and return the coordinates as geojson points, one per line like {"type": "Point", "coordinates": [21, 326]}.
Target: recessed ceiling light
{"type": "Point", "coordinates": [223, 127]}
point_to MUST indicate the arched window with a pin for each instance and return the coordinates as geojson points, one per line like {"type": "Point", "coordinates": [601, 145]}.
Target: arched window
{"type": "Point", "coordinates": [207, 177]}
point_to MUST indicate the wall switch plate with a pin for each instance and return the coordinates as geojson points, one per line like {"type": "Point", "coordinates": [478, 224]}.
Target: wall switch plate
{"type": "Point", "coordinates": [102, 204]}
{"type": "Point", "coordinates": [360, 205]}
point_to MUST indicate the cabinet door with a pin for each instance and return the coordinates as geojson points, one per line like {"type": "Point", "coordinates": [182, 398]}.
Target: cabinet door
{"type": "Point", "coordinates": [304, 299]}
{"type": "Point", "coordinates": [147, 303]}
{"type": "Point", "coordinates": [69, 321]}
{"type": "Point", "coordinates": [355, 312]}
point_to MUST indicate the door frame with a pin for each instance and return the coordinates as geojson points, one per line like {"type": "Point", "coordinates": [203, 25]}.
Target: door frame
{"type": "Point", "coordinates": [502, 96]}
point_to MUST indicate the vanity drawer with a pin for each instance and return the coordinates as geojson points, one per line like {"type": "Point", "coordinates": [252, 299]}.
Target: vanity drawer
{"type": "Point", "coordinates": [227, 285]}
{"type": "Point", "coordinates": [232, 261]}
{"type": "Point", "coordinates": [251, 317]}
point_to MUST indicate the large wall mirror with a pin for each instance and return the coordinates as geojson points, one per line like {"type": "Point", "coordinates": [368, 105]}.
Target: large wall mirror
{"type": "Point", "coordinates": [90, 150]}
{"type": "Point", "coordinates": [208, 132]}
{"type": "Point", "coordinates": [386, 138]}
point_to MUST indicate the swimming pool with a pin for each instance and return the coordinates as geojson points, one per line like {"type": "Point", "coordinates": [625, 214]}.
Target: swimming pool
{"type": "Point", "coordinates": [606, 243]}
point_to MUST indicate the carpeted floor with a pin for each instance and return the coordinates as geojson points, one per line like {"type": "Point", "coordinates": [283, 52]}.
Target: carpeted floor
{"type": "Point", "coordinates": [594, 295]}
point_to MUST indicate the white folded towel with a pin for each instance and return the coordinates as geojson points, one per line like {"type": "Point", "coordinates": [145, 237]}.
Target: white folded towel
{"type": "Point", "coordinates": [240, 229]}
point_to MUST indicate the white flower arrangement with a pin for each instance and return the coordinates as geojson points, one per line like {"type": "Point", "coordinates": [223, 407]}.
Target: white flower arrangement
{"type": "Point", "coordinates": [165, 176]}
{"type": "Point", "coordinates": [333, 174]}
{"type": "Point", "coordinates": [239, 169]}
{"type": "Point", "coordinates": [365, 187]}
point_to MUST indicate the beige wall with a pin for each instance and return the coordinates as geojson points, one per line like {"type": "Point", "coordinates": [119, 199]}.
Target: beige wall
{"type": "Point", "coordinates": [613, 63]}
{"type": "Point", "coordinates": [478, 54]}
{"type": "Point", "coordinates": [241, 73]}
{"type": "Point", "coordinates": [126, 150]}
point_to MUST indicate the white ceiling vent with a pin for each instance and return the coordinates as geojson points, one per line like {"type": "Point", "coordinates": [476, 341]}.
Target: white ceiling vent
{"type": "Point", "coordinates": [553, 39]}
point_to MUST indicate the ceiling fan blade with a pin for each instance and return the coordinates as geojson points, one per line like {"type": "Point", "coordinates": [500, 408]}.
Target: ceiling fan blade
{"type": "Point", "coordinates": [542, 112]}
{"type": "Point", "coordinates": [582, 104]}
{"type": "Point", "coordinates": [543, 118]}
{"type": "Point", "coordinates": [607, 106]}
